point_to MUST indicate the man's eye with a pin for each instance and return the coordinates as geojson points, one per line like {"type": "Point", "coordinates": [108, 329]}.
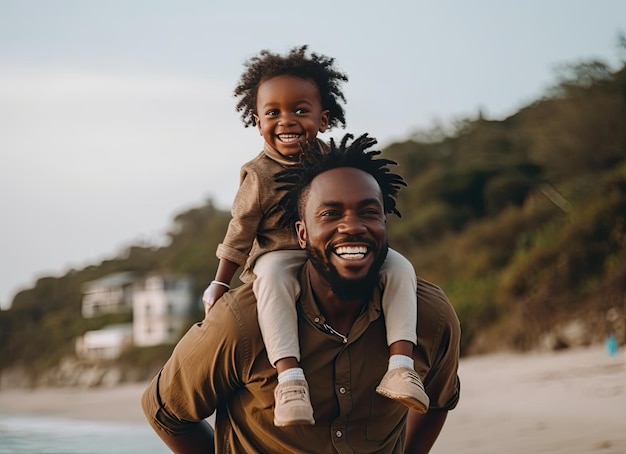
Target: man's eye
{"type": "Point", "coordinates": [372, 213]}
{"type": "Point", "coordinates": [329, 213]}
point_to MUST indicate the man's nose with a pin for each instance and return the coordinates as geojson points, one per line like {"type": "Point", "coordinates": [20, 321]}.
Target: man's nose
{"type": "Point", "coordinates": [351, 224]}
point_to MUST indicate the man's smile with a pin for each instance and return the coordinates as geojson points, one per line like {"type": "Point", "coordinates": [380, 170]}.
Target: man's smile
{"type": "Point", "coordinates": [351, 252]}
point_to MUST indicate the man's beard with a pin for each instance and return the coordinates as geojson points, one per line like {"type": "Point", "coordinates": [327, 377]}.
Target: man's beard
{"type": "Point", "coordinates": [343, 288]}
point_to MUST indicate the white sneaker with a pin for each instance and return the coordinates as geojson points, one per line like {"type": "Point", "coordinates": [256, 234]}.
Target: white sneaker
{"type": "Point", "coordinates": [292, 403]}
{"type": "Point", "coordinates": [404, 385]}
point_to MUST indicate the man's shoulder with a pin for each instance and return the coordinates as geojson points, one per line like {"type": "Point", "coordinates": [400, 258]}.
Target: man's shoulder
{"type": "Point", "coordinates": [431, 292]}
{"type": "Point", "coordinates": [435, 307]}
{"type": "Point", "coordinates": [237, 309]}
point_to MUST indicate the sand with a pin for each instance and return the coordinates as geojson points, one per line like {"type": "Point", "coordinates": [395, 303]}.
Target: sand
{"type": "Point", "coordinates": [565, 402]}
{"type": "Point", "coordinates": [570, 402]}
{"type": "Point", "coordinates": [121, 403]}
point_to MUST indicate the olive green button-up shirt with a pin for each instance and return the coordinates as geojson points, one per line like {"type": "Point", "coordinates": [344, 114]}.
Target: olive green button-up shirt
{"type": "Point", "coordinates": [221, 365]}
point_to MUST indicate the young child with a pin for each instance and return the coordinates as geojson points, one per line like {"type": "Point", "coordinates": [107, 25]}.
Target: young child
{"type": "Point", "coordinates": [290, 99]}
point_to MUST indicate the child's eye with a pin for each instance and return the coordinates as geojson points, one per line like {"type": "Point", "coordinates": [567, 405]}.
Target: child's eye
{"type": "Point", "coordinates": [271, 113]}
{"type": "Point", "coordinates": [302, 111]}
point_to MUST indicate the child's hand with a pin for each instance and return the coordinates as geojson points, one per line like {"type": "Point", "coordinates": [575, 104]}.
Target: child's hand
{"type": "Point", "coordinates": [211, 295]}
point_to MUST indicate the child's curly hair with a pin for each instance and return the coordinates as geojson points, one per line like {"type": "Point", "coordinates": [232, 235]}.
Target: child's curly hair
{"type": "Point", "coordinates": [296, 179]}
{"type": "Point", "coordinates": [318, 68]}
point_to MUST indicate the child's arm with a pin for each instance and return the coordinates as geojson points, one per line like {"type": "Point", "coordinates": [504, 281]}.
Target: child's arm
{"type": "Point", "coordinates": [247, 214]}
{"type": "Point", "coordinates": [225, 272]}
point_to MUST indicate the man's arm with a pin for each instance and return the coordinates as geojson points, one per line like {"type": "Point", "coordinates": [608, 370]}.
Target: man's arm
{"type": "Point", "coordinates": [188, 388]}
{"type": "Point", "coordinates": [198, 441]}
{"type": "Point", "coordinates": [422, 430]}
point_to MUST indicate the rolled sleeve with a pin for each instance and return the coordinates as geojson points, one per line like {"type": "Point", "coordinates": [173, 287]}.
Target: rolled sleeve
{"type": "Point", "coordinates": [198, 375]}
{"type": "Point", "coordinates": [158, 416]}
{"type": "Point", "coordinates": [231, 254]}
{"type": "Point", "coordinates": [439, 346]}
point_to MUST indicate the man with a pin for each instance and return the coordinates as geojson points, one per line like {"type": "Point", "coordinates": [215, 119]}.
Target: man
{"type": "Point", "coordinates": [339, 200]}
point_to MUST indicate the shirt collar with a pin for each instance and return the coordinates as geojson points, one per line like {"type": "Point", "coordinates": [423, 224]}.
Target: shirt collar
{"type": "Point", "coordinates": [371, 312]}
{"type": "Point", "coordinates": [274, 155]}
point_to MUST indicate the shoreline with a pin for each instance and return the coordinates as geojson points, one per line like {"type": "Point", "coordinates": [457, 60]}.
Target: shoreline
{"type": "Point", "coordinates": [115, 404]}
{"type": "Point", "coordinates": [570, 401]}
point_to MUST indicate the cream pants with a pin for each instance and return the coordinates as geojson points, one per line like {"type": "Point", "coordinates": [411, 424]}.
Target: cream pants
{"type": "Point", "coordinates": [276, 288]}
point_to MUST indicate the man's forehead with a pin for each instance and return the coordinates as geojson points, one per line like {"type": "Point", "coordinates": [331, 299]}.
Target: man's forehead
{"type": "Point", "coordinates": [344, 183]}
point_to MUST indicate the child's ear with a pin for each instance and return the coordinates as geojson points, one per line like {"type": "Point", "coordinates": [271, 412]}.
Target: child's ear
{"type": "Point", "coordinates": [324, 121]}
{"type": "Point", "coordinates": [257, 121]}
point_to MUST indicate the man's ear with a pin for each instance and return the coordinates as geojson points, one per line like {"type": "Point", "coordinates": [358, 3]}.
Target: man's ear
{"type": "Point", "coordinates": [301, 233]}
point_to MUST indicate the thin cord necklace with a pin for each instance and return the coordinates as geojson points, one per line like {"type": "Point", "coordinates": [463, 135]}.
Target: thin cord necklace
{"type": "Point", "coordinates": [331, 330]}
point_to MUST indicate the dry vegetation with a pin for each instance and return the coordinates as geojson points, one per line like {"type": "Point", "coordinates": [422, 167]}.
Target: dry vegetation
{"type": "Point", "coordinates": [521, 221]}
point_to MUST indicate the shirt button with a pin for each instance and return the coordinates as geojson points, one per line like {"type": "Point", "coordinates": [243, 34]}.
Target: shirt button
{"type": "Point", "coordinates": [338, 434]}
{"type": "Point", "coordinates": [342, 390]}
{"type": "Point", "coordinates": [317, 319]}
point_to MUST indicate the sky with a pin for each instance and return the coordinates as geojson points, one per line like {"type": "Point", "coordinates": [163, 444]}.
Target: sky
{"type": "Point", "coordinates": [117, 115]}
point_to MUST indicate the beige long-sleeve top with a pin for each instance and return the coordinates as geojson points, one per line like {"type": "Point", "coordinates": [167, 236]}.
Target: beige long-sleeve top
{"type": "Point", "coordinates": [255, 228]}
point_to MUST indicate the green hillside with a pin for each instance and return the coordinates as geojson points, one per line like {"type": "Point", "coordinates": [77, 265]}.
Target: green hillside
{"type": "Point", "coordinates": [521, 221]}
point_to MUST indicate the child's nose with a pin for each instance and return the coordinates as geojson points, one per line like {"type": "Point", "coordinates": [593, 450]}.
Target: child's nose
{"type": "Point", "coordinates": [287, 119]}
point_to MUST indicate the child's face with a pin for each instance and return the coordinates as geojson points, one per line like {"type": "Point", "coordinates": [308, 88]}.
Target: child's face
{"type": "Point", "coordinates": [289, 112]}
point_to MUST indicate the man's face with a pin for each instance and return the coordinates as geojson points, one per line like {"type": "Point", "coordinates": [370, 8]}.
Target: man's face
{"type": "Point", "coordinates": [344, 230]}
{"type": "Point", "coordinates": [289, 112]}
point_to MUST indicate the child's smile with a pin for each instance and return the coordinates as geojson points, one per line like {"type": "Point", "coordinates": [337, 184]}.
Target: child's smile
{"type": "Point", "coordinates": [289, 138]}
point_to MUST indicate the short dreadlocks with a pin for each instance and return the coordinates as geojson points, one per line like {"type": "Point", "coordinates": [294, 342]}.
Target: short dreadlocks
{"type": "Point", "coordinates": [317, 68]}
{"type": "Point", "coordinates": [314, 160]}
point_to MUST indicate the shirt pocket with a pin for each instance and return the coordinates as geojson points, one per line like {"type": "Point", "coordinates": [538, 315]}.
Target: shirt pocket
{"type": "Point", "coordinates": [386, 415]}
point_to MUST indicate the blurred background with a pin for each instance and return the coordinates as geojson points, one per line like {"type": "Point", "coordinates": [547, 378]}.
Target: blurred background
{"type": "Point", "coordinates": [120, 150]}
{"type": "Point", "coordinates": [120, 153]}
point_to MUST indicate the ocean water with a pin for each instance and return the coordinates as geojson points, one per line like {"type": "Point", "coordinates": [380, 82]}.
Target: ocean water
{"type": "Point", "coordinates": [43, 435]}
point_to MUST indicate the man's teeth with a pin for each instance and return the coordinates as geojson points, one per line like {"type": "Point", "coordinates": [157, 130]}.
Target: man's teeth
{"type": "Point", "coordinates": [351, 252]}
{"type": "Point", "coordinates": [288, 138]}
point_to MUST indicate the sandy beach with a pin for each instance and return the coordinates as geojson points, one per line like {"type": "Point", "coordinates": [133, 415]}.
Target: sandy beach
{"type": "Point", "coordinates": [567, 402]}
{"type": "Point", "coordinates": [570, 402]}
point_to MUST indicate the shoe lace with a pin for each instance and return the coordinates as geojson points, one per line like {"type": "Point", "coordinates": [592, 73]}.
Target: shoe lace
{"type": "Point", "coordinates": [412, 377]}
{"type": "Point", "coordinates": [292, 393]}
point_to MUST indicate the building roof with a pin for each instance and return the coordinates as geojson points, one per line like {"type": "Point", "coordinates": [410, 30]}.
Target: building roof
{"type": "Point", "coordinates": [111, 280]}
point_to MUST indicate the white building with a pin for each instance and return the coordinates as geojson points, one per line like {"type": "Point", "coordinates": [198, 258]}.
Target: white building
{"type": "Point", "coordinates": [106, 343]}
{"type": "Point", "coordinates": [160, 305]}
{"type": "Point", "coordinates": [108, 295]}
{"type": "Point", "coordinates": [161, 308]}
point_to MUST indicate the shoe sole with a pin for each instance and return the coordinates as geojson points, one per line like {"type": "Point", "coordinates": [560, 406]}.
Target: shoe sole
{"type": "Point", "coordinates": [295, 422]}
{"type": "Point", "coordinates": [408, 401]}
